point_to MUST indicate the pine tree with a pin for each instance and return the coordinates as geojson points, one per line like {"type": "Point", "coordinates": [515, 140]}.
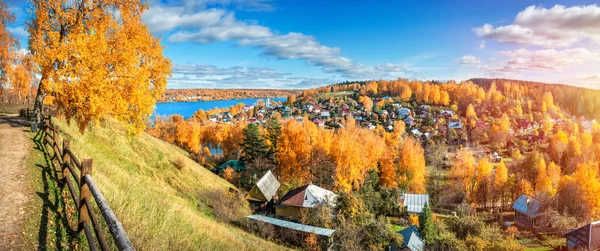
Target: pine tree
{"type": "Point", "coordinates": [427, 228]}
{"type": "Point", "coordinates": [274, 129]}
{"type": "Point", "coordinates": [253, 145]}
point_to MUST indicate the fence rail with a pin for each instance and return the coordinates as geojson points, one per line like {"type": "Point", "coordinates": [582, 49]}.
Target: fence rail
{"type": "Point", "coordinates": [78, 174]}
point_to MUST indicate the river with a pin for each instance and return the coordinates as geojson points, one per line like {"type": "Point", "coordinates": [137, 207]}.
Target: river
{"type": "Point", "coordinates": [187, 109]}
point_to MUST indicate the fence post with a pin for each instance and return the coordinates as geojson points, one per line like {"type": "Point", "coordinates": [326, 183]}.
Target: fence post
{"type": "Point", "coordinates": [66, 159]}
{"type": "Point", "coordinates": [84, 192]}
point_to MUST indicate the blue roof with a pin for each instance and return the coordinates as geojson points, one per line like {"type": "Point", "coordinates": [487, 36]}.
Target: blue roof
{"type": "Point", "coordinates": [235, 164]}
{"type": "Point", "coordinates": [293, 225]}
{"type": "Point", "coordinates": [530, 209]}
{"type": "Point", "coordinates": [411, 238]}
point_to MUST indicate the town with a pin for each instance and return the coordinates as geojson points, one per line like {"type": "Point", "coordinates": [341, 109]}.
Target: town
{"type": "Point", "coordinates": [485, 159]}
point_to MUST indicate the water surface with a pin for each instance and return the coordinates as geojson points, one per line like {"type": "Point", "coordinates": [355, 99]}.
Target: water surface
{"type": "Point", "coordinates": [187, 109]}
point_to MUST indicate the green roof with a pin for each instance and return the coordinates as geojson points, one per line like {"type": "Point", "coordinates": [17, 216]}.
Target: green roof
{"type": "Point", "coordinates": [235, 164]}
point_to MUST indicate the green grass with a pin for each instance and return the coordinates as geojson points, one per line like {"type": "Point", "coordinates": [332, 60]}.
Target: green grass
{"type": "Point", "coordinates": [160, 207]}
{"type": "Point", "coordinates": [47, 227]}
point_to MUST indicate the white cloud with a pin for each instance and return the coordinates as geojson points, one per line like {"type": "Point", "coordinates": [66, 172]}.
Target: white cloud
{"type": "Point", "coordinates": [558, 26]}
{"type": "Point", "coordinates": [161, 18]}
{"type": "Point", "coordinates": [548, 59]}
{"type": "Point", "coordinates": [481, 44]}
{"type": "Point", "coordinates": [18, 31]}
{"type": "Point", "coordinates": [209, 76]}
{"type": "Point", "coordinates": [205, 26]}
{"type": "Point", "coordinates": [469, 60]}
{"type": "Point", "coordinates": [225, 32]}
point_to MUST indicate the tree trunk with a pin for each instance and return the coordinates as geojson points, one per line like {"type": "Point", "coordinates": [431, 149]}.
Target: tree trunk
{"type": "Point", "coordinates": [39, 103]}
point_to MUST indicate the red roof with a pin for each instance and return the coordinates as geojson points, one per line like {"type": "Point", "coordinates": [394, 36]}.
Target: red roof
{"type": "Point", "coordinates": [294, 198]}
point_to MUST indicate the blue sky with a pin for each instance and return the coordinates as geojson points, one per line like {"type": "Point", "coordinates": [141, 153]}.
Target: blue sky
{"type": "Point", "coordinates": [302, 44]}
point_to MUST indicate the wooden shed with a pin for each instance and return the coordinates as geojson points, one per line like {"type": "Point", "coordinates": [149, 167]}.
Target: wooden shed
{"type": "Point", "coordinates": [527, 209]}
{"type": "Point", "coordinates": [307, 196]}
{"type": "Point", "coordinates": [584, 238]}
{"type": "Point", "coordinates": [263, 192]}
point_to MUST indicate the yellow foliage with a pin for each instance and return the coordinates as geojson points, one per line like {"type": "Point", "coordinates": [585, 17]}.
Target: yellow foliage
{"type": "Point", "coordinates": [96, 64]}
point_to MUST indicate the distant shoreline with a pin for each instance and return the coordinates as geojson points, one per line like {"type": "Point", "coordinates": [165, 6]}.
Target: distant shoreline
{"type": "Point", "coordinates": [202, 94]}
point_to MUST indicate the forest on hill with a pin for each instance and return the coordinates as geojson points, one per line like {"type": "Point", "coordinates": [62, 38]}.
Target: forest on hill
{"type": "Point", "coordinates": [202, 94]}
{"type": "Point", "coordinates": [474, 147]}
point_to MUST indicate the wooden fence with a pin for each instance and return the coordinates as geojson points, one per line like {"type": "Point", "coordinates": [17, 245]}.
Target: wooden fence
{"type": "Point", "coordinates": [78, 174]}
{"type": "Point", "coordinates": [15, 109]}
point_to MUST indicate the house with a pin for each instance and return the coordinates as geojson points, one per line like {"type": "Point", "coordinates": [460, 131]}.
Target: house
{"type": "Point", "coordinates": [282, 228]}
{"type": "Point", "coordinates": [263, 192]}
{"type": "Point", "coordinates": [455, 124]}
{"type": "Point", "coordinates": [447, 113]}
{"type": "Point", "coordinates": [410, 122]}
{"type": "Point", "coordinates": [325, 115]}
{"type": "Point", "coordinates": [525, 125]}
{"type": "Point", "coordinates": [413, 203]}
{"type": "Point", "coordinates": [235, 164]}
{"type": "Point", "coordinates": [403, 112]}
{"type": "Point", "coordinates": [412, 240]}
{"type": "Point", "coordinates": [307, 196]}
{"type": "Point", "coordinates": [416, 132]}
{"type": "Point", "coordinates": [584, 238]}
{"type": "Point", "coordinates": [319, 123]}
{"type": "Point", "coordinates": [527, 209]}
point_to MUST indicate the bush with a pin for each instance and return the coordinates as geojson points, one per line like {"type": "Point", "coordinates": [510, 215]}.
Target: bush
{"type": "Point", "coordinates": [229, 207]}
{"type": "Point", "coordinates": [180, 163]}
{"type": "Point", "coordinates": [465, 226]}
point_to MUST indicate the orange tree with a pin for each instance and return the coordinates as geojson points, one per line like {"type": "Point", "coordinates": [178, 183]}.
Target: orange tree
{"type": "Point", "coordinates": [97, 59]}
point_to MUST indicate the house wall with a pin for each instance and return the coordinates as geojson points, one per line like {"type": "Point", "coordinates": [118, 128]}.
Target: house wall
{"type": "Point", "coordinates": [523, 220]}
{"type": "Point", "coordinates": [292, 213]}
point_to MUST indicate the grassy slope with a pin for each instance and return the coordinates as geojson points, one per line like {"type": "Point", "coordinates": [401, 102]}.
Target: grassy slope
{"type": "Point", "coordinates": [46, 227]}
{"type": "Point", "coordinates": [160, 207]}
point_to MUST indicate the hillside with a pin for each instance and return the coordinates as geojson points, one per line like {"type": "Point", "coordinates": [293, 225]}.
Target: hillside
{"type": "Point", "coordinates": [189, 95]}
{"type": "Point", "coordinates": [161, 207]}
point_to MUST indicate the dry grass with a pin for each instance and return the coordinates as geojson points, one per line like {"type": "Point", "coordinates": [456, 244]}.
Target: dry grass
{"type": "Point", "coordinates": [160, 205]}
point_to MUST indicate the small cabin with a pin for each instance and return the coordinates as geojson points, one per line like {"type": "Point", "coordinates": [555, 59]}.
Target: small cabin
{"type": "Point", "coordinates": [264, 192]}
{"type": "Point", "coordinates": [307, 196]}
{"type": "Point", "coordinates": [412, 240]}
{"type": "Point", "coordinates": [413, 203]}
{"type": "Point", "coordinates": [527, 210]}
{"type": "Point", "coordinates": [584, 238]}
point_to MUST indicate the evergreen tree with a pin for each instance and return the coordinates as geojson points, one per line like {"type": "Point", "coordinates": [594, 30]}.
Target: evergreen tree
{"type": "Point", "coordinates": [253, 146]}
{"type": "Point", "coordinates": [274, 128]}
{"type": "Point", "coordinates": [427, 228]}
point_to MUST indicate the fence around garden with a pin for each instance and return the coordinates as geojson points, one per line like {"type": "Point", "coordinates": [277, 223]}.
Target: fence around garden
{"type": "Point", "coordinates": [77, 176]}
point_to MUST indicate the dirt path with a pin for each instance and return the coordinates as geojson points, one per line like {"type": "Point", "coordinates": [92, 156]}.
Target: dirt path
{"type": "Point", "coordinates": [13, 179]}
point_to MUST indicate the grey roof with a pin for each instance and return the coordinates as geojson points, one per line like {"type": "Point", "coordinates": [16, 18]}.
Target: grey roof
{"type": "Point", "coordinates": [267, 185]}
{"type": "Point", "coordinates": [586, 237]}
{"type": "Point", "coordinates": [293, 225]}
{"type": "Point", "coordinates": [530, 209]}
{"type": "Point", "coordinates": [411, 238]}
{"type": "Point", "coordinates": [414, 203]}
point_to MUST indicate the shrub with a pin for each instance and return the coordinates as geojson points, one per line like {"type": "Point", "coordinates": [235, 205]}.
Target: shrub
{"type": "Point", "coordinates": [229, 207]}
{"type": "Point", "coordinates": [180, 163]}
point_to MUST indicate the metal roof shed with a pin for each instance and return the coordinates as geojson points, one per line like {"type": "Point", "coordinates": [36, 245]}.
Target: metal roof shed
{"type": "Point", "coordinates": [414, 203]}
{"type": "Point", "coordinates": [586, 237]}
{"type": "Point", "coordinates": [528, 206]}
{"type": "Point", "coordinates": [265, 188]}
{"type": "Point", "coordinates": [412, 240]}
{"type": "Point", "coordinates": [292, 225]}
